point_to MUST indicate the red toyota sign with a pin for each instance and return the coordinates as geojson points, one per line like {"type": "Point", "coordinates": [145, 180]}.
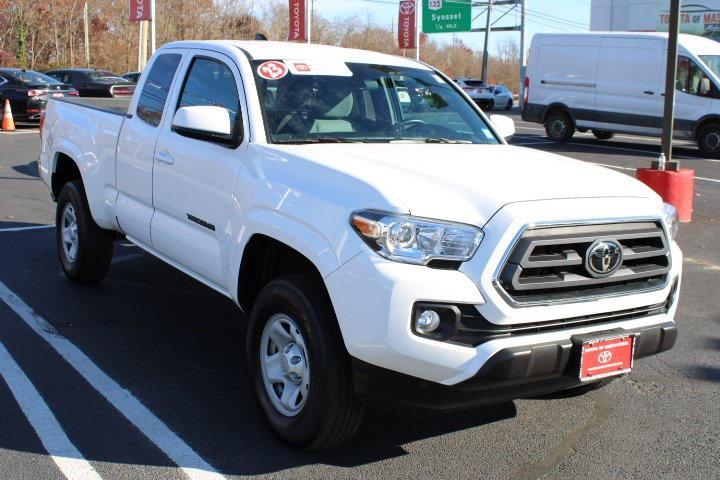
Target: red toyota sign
{"type": "Point", "coordinates": [297, 21]}
{"type": "Point", "coordinates": [406, 24]}
{"type": "Point", "coordinates": [140, 10]}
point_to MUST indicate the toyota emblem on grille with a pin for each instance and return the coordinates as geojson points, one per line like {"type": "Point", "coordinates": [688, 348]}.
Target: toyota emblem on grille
{"type": "Point", "coordinates": [603, 258]}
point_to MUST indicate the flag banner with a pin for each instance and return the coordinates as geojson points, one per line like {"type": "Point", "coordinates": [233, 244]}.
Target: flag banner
{"type": "Point", "coordinates": [298, 27]}
{"type": "Point", "coordinates": [140, 10]}
{"type": "Point", "coordinates": [406, 24]}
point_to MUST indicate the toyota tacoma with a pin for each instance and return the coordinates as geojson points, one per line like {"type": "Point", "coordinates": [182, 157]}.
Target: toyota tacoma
{"type": "Point", "coordinates": [386, 243]}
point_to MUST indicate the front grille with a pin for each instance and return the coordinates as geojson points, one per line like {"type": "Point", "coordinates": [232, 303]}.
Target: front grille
{"type": "Point", "coordinates": [549, 263]}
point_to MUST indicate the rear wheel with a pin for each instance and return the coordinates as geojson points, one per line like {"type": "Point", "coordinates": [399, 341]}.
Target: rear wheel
{"type": "Point", "coordinates": [559, 126]}
{"type": "Point", "coordinates": [491, 105]}
{"type": "Point", "coordinates": [85, 249]}
{"type": "Point", "coordinates": [709, 140]}
{"type": "Point", "coordinates": [602, 134]}
{"type": "Point", "coordinates": [509, 105]}
{"type": "Point", "coordinates": [299, 370]}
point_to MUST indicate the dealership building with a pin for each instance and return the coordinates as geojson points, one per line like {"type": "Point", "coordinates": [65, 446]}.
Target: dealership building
{"type": "Point", "coordinates": [699, 17]}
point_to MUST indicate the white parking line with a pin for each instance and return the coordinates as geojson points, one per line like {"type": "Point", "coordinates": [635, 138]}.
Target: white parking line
{"type": "Point", "coordinates": [633, 169]}
{"type": "Point", "coordinates": [20, 132]}
{"type": "Point", "coordinates": [21, 229]}
{"type": "Point", "coordinates": [56, 442]}
{"type": "Point", "coordinates": [130, 407]}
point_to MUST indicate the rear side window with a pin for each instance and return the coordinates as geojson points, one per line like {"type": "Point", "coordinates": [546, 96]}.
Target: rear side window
{"type": "Point", "coordinates": [156, 88]}
{"type": "Point", "coordinates": [210, 82]}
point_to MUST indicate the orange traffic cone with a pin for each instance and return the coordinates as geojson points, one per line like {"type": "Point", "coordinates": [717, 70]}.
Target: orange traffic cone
{"type": "Point", "coordinates": [7, 120]}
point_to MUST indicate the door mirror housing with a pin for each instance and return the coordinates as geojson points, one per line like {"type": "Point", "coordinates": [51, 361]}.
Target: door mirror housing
{"type": "Point", "coordinates": [504, 126]}
{"type": "Point", "coordinates": [704, 86]}
{"type": "Point", "coordinates": [205, 122]}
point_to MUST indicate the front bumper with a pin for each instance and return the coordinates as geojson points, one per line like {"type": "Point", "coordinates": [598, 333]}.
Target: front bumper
{"type": "Point", "coordinates": [514, 372]}
{"type": "Point", "coordinates": [374, 297]}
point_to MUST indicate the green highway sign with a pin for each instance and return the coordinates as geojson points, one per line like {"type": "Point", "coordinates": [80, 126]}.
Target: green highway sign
{"type": "Point", "coordinates": [442, 16]}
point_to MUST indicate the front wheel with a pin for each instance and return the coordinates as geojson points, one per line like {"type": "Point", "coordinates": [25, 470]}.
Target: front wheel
{"type": "Point", "coordinates": [709, 140]}
{"type": "Point", "coordinates": [299, 370]}
{"type": "Point", "coordinates": [509, 105]}
{"type": "Point", "coordinates": [85, 249]}
{"type": "Point", "coordinates": [559, 126]}
{"type": "Point", "coordinates": [603, 135]}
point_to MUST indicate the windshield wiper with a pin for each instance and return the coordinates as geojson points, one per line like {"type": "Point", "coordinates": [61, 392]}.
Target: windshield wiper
{"type": "Point", "coordinates": [429, 140]}
{"type": "Point", "coordinates": [322, 140]}
{"type": "Point", "coordinates": [445, 140]}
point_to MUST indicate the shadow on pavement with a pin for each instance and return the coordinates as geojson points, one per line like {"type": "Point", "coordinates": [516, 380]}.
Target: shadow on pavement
{"type": "Point", "coordinates": [179, 348]}
{"type": "Point", "coordinates": [29, 169]}
{"type": "Point", "coordinates": [11, 224]}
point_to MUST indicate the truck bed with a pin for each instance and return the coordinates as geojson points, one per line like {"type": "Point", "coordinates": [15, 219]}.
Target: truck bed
{"type": "Point", "coordinates": [116, 106]}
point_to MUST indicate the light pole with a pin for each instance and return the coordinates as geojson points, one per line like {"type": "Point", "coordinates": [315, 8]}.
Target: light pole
{"type": "Point", "coordinates": [487, 38]}
{"type": "Point", "coordinates": [669, 111]}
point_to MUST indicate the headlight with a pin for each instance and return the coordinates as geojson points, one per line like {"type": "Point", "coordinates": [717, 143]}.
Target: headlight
{"type": "Point", "coordinates": [416, 240]}
{"type": "Point", "coordinates": [671, 219]}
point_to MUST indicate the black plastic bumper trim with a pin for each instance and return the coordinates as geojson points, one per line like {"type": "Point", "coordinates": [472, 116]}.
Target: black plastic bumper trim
{"type": "Point", "coordinates": [511, 373]}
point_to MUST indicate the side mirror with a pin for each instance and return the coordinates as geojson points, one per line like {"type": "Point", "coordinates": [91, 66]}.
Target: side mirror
{"type": "Point", "coordinates": [205, 122]}
{"type": "Point", "coordinates": [504, 126]}
{"type": "Point", "coordinates": [704, 86]}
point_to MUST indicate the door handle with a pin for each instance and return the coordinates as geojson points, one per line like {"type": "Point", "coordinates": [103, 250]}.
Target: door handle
{"type": "Point", "coordinates": [164, 157]}
{"type": "Point", "coordinates": [649, 92]}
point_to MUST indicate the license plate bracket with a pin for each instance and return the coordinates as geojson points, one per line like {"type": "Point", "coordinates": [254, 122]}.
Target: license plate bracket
{"type": "Point", "coordinates": [606, 356]}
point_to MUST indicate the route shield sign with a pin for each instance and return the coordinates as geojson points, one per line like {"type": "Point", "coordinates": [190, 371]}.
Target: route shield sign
{"type": "Point", "coordinates": [442, 16]}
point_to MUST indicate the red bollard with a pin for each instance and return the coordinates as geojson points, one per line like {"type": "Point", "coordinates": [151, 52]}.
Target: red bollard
{"type": "Point", "coordinates": [675, 187]}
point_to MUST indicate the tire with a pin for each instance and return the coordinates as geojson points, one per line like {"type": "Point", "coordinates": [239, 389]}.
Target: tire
{"type": "Point", "coordinates": [315, 361]}
{"type": "Point", "coordinates": [559, 126]}
{"type": "Point", "coordinates": [603, 135]}
{"type": "Point", "coordinates": [85, 250]}
{"type": "Point", "coordinates": [491, 105]}
{"type": "Point", "coordinates": [708, 140]}
{"type": "Point", "coordinates": [509, 105]}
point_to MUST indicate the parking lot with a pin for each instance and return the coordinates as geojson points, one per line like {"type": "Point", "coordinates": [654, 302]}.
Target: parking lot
{"type": "Point", "coordinates": [143, 376]}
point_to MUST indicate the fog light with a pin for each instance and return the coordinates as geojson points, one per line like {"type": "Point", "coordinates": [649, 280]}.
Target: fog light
{"type": "Point", "coordinates": [427, 321]}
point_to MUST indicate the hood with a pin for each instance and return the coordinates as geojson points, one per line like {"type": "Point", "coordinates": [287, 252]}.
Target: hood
{"type": "Point", "coordinates": [465, 183]}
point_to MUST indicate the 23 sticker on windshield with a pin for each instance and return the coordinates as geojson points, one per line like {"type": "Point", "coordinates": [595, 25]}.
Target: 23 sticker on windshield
{"type": "Point", "coordinates": [272, 70]}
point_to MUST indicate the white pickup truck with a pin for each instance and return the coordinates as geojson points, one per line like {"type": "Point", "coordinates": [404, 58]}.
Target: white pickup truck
{"type": "Point", "coordinates": [387, 244]}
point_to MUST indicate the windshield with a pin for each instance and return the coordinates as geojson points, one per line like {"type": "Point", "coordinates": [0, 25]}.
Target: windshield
{"type": "Point", "coordinates": [33, 78]}
{"type": "Point", "coordinates": [100, 75]}
{"type": "Point", "coordinates": [712, 62]}
{"type": "Point", "coordinates": [346, 102]}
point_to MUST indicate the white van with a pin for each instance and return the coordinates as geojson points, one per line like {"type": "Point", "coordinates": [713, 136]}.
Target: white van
{"type": "Point", "coordinates": [614, 82]}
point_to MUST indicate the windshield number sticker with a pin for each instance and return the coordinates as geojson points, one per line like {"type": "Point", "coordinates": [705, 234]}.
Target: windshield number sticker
{"type": "Point", "coordinates": [272, 70]}
{"type": "Point", "coordinates": [327, 68]}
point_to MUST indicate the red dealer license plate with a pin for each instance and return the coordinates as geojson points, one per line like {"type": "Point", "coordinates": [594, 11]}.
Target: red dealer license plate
{"type": "Point", "coordinates": [606, 357]}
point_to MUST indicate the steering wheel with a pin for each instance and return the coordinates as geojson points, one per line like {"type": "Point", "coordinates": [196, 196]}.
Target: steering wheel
{"type": "Point", "coordinates": [412, 123]}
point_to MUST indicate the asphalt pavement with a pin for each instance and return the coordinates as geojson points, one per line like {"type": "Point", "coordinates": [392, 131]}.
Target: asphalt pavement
{"type": "Point", "coordinates": [144, 375]}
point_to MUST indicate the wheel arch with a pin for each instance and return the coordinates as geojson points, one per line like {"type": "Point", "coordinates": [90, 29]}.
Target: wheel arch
{"type": "Point", "coordinates": [702, 122]}
{"type": "Point", "coordinates": [64, 169]}
{"type": "Point", "coordinates": [557, 106]}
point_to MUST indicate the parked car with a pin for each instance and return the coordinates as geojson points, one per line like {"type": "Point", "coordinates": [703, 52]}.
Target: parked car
{"type": "Point", "coordinates": [615, 82]}
{"type": "Point", "coordinates": [132, 77]}
{"type": "Point", "coordinates": [94, 83]}
{"type": "Point", "coordinates": [386, 242]}
{"type": "Point", "coordinates": [478, 91]}
{"type": "Point", "coordinates": [501, 97]}
{"type": "Point", "coordinates": [28, 92]}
